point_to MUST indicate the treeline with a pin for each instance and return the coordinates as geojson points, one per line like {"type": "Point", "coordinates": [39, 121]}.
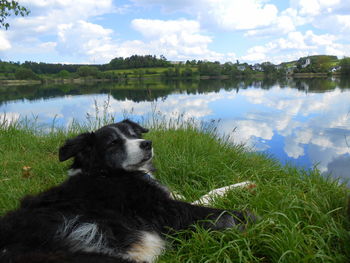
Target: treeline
{"type": "Point", "coordinates": [228, 70]}
{"type": "Point", "coordinates": [151, 66]}
{"type": "Point", "coordinates": [234, 70]}
{"type": "Point", "coordinates": [137, 61]}
{"type": "Point", "coordinates": [345, 66]}
{"type": "Point", "coordinates": [180, 72]}
{"type": "Point", "coordinates": [38, 68]}
{"type": "Point", "coordinates": [134, 61]}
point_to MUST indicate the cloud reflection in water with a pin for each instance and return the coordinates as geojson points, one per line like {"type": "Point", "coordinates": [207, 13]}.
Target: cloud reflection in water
{"type": "Point", "coordinates": [298, 126]}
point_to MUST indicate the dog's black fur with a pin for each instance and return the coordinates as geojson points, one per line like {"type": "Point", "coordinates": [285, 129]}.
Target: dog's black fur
{"type": "Point", "coordinates": [109, 211]}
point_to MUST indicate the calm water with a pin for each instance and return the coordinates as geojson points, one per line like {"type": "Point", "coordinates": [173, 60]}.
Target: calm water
{"type": "Point", "coordinates": [304, 122]}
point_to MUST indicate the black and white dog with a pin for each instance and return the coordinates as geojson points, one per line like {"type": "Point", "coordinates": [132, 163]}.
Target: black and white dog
{"type": "Point", "coordinates": [110, 210]}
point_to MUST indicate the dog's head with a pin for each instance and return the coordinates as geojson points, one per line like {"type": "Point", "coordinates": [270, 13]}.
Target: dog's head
{"type": "Point", "coordinates": [116, 146]}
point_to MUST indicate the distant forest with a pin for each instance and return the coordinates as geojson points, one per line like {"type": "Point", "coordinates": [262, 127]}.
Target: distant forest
{"type": "Point", "coordinates": [134, 61]}
{"type": "Point", "coordinates": [140, 67]}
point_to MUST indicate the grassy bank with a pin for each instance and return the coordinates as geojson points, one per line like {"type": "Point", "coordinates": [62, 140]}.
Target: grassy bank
{"type": "Point", "coordinates": [303, 214]}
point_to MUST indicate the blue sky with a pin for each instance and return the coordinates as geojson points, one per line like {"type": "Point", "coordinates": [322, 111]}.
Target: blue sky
{"type": "Point", "coordinates": [95, 31]}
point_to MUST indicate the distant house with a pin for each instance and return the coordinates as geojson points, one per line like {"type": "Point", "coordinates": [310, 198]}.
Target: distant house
{"type": "Point", "coordinates": [335, 69]}
{"type": "Point", "coordinates": [257, 67]}
{"type": "Point", "coordinates": [278, 66]}
{"type": "Point", "coordinates": [307, 63]}
{"type": "Point", "coordinates": [241, 67]}
{"type": "Point", "coordinates": [177, 62]}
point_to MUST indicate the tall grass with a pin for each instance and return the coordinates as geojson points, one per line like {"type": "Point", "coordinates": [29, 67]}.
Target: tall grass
{"type": "Point", "coordinates": [303, 215]}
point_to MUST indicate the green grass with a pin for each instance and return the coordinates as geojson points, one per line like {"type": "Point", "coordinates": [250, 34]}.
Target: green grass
{"type": "Point", "coordinates": [132, 70]}
{"type": "Point", "coordinates": [147, 72]}
{"type": "Point", "coordinates": [303, 215]}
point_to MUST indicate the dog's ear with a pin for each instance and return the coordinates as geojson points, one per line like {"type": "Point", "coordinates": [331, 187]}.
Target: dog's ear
{"type": "Point", "coordinates": [73, 146]}
{"type": "Point", "coordinates": [138, 129]}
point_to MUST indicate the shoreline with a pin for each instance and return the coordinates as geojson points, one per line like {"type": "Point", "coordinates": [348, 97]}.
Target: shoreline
{"type": "Point", "coordinates": [17, 82]}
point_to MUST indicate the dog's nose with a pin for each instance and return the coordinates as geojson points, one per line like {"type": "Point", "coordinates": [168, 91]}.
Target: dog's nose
{"type": "Point", "coordinates": [146, 145]}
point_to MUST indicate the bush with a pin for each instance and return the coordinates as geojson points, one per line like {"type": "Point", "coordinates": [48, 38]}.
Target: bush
{"type": "Point", "coordinates": [345, 66]}
{"type": "Point", "coordinates": [64, 74]}
{"type": "Point", "coordinates": [85, 71]}
{"type": "Point", "coordinates": [25, 73]}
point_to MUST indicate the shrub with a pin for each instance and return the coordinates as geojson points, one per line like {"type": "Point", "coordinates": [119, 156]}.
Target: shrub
{"type": "Point", "coordinates": [25, 73]}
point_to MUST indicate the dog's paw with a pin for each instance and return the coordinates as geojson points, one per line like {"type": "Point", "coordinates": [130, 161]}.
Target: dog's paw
{"type": "Point", "coordinates": [235, 219]}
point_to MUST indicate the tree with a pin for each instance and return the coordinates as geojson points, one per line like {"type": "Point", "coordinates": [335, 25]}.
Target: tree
{"type": "Point", "coordinates": [10, 7]}
{"type": "Point", "coordinates": [324, 63]}
{"type": "Point", "coordinates": [63, 74]}
{"type": "Point", "coordinates": [345, 66]}
{"type": "Point", "coordinates": [85, 71]}
{"type": "Point", "coordinates": [187, 72]}
{"type": "Point", "coordinates": [209, 68]}
{"type": "Point", "coordinates": [137, 61]}
{"type": "Point", "coordinates": [25, 73]}
{"type": "Point", "coordinates": [268, 68]}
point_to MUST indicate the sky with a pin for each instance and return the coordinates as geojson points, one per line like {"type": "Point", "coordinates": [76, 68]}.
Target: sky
{"type": "Point", "coordinates": [96, 31]}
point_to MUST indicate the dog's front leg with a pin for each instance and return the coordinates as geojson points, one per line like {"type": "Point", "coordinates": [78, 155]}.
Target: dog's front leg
{"type": "Point", "coordinates": [210, 218]}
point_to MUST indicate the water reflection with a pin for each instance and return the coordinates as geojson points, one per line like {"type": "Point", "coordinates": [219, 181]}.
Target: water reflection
{"type": "Point", "coordinates": [305, 122]}
{"type": "Point", "coordinates": [150, 91]}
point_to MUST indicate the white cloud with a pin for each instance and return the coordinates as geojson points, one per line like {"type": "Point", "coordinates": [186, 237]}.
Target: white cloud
{"type": "Point", "coordinates": [72, 30]}
{"type": "Point", "coordinates": [9, 117]}
{"type": "Point", "coordinates": [45, 16]}
{"type": "Point", "coordinates": [325, 133]}
{"type": "Point", "coordinates": [4, 42]}
{"type": "Point", "coordinates": [154, 28]}
{"type": "Point", "coordinates": [345, 21]}
{"type": "Point", "coordinates": [87, 40]}
{"type": "Point", "coordinates": [73, 37]}
{"type": "Point", "coordinates": [296, 45]}
{"type": "Point", "coordinates": [331, 15]}
{"type": "Point", "coordinates": [292, 149]}
{"type": "Point", "coordinates": [281, 25]}
{"type": "Point", "coordinates": [293, 43]}
{"type": "Point", "coordinates": [337, 24]}
{"type": "Point", "coordinates": [316, 7]}
{"type": "Point", "coordinates": [310, 7]}
{"type": "Point", "coordinates": [227, 14]}
{"type": "Point", "coordinates": [175, 106]}
{"type": "Point", "coordinates": [179, 39]}
{"type": "Point", "coordinates": [29, 35]}
{"type": "Point", "coordinates": [238, 15]}
{"type": "Point", "coordinates": [321, 40]}
{"type": "Point", "coordinates": [69, 10]}
{"type": "Point", "coordinates": [261, 19]}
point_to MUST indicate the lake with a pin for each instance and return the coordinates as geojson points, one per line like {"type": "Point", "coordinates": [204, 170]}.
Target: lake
{"type": "Point", "coordinates": [305, 122]}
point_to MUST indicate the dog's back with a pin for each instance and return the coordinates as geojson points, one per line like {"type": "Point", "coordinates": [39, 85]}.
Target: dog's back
{"type": "Point", "coordinates": [83, 215]}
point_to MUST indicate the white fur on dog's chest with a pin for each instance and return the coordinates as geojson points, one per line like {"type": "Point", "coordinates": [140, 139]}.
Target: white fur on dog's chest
{"type": "Point", "coordinates": [147, 249]}
{"type": "Point", "coordinates": [88, 237]}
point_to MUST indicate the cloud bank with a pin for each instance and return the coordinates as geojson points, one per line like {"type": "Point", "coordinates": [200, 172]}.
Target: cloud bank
{"type": "Point", "coordinates": [225, 30]}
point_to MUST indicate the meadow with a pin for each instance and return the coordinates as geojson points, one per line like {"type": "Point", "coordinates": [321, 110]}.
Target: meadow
{"type": "Point", "coordinates": [303, 214]}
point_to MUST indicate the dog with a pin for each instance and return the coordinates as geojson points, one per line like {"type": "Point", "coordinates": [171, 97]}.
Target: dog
{"type": "Point", "coordinates": [111, 209]}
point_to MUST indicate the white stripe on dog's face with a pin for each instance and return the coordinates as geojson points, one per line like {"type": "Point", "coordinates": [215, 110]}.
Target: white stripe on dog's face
{"type": "Point", "coordinates": [134, 153]}
{"type": "Point", "coordinates": [136, 158]}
